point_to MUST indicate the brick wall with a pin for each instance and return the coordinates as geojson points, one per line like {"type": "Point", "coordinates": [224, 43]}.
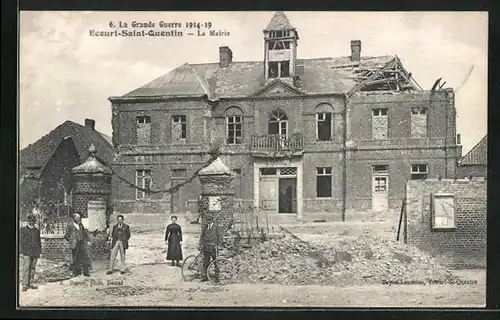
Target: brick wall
{"type": "Point", "coordinates": [463, 247]}
{"type": "Point", "coordinates": [91, 187]}
{"type": "Point", "coordinates": [218, 186]}
{"type": "Point", "coordinates": [380, 127]}
{"type": "Point", "coordinates": [206, 124]}
{"type": "Point", "coordinates": [466, 171]}
{"type": "Point", "coordinates": [419, 125]}
{"type": "Point", "coordinates": [55, 247]}
{"type": "Point", "coordinates": [143, 133]}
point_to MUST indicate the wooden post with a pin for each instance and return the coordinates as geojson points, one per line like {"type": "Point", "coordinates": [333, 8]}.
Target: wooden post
{"type": "Point", "coordinates": [405, 232]}
{"type": "Point", "coordinates": [400, 218]}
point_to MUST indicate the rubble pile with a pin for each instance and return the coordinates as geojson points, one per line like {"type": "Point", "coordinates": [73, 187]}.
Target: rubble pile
{"type": "Point", "coordinates": [362, 260]}
{"type": "Point", "coordinates": [125, 291]}
{"type": "Point", "coordinates": [49, 271]}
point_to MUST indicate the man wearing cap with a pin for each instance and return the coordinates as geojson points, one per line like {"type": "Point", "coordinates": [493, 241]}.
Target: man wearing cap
{"type": "Point", "coordinates": [30, 248]}
{"type": "Point", "coordinates": [77, 236]}
{"type": "Point", "coordinates": [210, 239]}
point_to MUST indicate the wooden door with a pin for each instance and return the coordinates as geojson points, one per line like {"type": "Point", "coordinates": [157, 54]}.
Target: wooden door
{"type": "Point", "coordinates": [269, 193]}
{"type": "Point", "coordinates": [380, 193]}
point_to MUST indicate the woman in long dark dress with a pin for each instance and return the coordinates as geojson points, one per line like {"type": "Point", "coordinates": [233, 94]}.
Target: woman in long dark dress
{"type": "Point", "coordinates": [173, 238]}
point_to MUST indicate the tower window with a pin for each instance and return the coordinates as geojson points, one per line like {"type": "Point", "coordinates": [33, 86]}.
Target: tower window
{"type": "Point", "coordinates": [279, 69]}
{"type": "Point", "coordinates": [279, 45]}
{"type": "Point", "coordinates": [273, 70]}
{"type": "Point", "coordinates": [279, 34]}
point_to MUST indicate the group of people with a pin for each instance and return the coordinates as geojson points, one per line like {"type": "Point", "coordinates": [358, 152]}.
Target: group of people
{"type": "Point", "coordinates": [77, 237]}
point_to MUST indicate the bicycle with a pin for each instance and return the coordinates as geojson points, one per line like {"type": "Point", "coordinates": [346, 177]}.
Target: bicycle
{"type": "Point", "coordinates": [220, 270]}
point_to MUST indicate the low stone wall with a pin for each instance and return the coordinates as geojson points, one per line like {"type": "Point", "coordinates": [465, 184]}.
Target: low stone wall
{"type": "Point", "coordinates": [55, 247]}
{"type": "Point", "coordinates": [150, 206]}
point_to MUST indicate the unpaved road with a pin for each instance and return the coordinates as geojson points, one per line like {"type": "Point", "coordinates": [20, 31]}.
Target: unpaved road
{"type": "Point", "coordinates": [152, 282]}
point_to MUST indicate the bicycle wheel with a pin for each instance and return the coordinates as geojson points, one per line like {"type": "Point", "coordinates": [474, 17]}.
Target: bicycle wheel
{"type": "Point", "coordinates": [190, 268]}
{"type": "Point", "coordinates": [221, 271]}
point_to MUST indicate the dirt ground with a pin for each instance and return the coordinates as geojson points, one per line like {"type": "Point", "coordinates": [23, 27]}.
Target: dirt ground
{"type": "Point", "coordinates": [152, 282]}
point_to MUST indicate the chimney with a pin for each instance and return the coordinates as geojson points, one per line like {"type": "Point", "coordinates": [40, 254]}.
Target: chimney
{"type": "Point", "coordinates": [225, 57]}
{"type": "Point", "coordinates": [355, 50]}
{"type": "Point", "coordinates": [90, 123]}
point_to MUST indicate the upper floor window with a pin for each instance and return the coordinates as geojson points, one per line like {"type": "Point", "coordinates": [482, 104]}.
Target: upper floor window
{"type": "Point", "coordinates": [324, 117]}
{"type": "Point", "coordinates": [418, 122]}
{"type": "Point", "coordinates": [323, 182]}
{"type": "Point", "coordinates": [380, 124]}
{"type": "Point", "coordinates": [179, 128]}
{"type": "Point", "coordinates": [279, 34]}
{"type": "Point", "coordinates": [178, 173]}
{"type": "Point", "coordinates": [143, 130]}
{"type": "Point", "coordinates": [143, 180]}
{"type": "Point", "coordinates": [279, 69]}
{"type": "Point", "coordinates": [278, 123]}
{"type": "Point", "coordinates": [234, 129]}
{"type": "Point", "coordinates": [234, 125]}
{"type": "Point", "coordinates": [418, 171]}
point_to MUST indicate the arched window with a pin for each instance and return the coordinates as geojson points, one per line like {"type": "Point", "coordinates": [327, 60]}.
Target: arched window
{"type": "Point", "coordinates": [324, 120]}
{"type": "Point", "coordinates": [278, 123]}
{"type": "Point", "coordinates": [234, 125]}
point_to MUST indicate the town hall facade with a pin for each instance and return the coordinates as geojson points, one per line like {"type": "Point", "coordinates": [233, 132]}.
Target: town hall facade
{"type": "Point", "coordinates": [302, 136]}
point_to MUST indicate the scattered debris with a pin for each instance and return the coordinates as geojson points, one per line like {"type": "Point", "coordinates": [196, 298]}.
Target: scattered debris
{"type": "Point", "coordinates": [126, 291]}
{"type": "Point", "coordinates": [362, 260]}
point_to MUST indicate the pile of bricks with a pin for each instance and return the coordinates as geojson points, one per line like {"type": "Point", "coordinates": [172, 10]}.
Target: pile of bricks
{"type": "Point", "coordinates": [363, 260]}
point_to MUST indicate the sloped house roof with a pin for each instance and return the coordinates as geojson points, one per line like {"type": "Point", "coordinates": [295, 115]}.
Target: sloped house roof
{"type": "Point", "coordinates": [240, 79]}
{"type": "Point", "coordinates": [33, 158]}
{"type": "Point", "coordinates": [477, 155]}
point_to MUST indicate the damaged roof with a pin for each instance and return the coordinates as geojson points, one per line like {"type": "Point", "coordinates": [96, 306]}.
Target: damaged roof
{"type": "Point", "coordinates": [36, 155]}
{"type": "Point", "coordinates": [242, 79]}
{"type": "Point", "coordinates": [477, 155]}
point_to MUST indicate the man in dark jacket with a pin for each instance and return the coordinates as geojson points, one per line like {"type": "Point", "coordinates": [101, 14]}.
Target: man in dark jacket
{"type": "Point", "coordinates": [120, 236]}
{"type": "Point", "coordinates": [30, 248]}
{"type": "Point", "coordinates": [210, 239]}
{"type": "Point", "coordinates": [78, 238]}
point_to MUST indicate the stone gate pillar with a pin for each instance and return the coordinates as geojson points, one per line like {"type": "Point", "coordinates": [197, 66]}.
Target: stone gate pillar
{"type": "Point", "coordinates": [91, 185]}
{"type": "Point", "coordinates": [217, 194]}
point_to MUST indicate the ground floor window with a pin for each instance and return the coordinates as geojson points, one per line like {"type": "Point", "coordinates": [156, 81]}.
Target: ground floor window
{"type": "Point", "coordinates": [143, 180]}
{"type": "Point", "coordinates": [418, 171]}
{"type": "Point", "coordinates": [323, 182]}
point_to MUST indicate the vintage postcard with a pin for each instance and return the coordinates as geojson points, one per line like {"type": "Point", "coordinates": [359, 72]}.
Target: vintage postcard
{"type": "Point", "coordinates": [252, 159]}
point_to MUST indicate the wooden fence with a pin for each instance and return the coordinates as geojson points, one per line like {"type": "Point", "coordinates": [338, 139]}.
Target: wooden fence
{"type": "Point", "coordinates": [252, 222]}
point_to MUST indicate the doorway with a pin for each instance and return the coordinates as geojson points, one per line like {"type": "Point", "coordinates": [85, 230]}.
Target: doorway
{"type": "Point", "coordinates": [287, 195]}
{"type": "Point", "coordinates": [380, 193]}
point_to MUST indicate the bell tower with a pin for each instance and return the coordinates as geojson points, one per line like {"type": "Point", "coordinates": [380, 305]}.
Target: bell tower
{"type": "Point", "coordinates": [280, 49]}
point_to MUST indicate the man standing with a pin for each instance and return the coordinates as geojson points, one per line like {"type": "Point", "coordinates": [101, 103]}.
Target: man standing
{"type": "Point", "coordinates": [210, 239]}
{"type": "Point", "coordinates": [77, 236]}
{"type": "Point", "coordinates": [31, 247]}
{"type": "Point", "coordinates": [119, 243]}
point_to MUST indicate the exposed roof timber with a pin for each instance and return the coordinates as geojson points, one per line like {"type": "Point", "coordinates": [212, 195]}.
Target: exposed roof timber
{"type": "Point", "coordinates": [391, 74]}
{"type": "Point", "coordinates": [407, 75]}
{"type": "Point", "coordinates": [373, 76]}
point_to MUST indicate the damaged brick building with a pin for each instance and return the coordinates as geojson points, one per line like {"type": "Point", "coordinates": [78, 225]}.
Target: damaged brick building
{"type": "Point", "coordinates": [302, 136]}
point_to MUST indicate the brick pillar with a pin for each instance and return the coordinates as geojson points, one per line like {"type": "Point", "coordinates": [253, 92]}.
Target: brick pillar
{"type": "Point", "coordinates": [217, 194]}
{"type": "Point", "coordinates": [92, 200]}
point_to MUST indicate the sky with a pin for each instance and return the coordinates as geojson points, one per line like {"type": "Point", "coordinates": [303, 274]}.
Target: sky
{"type": "Point", "coordinates": [66, 74]}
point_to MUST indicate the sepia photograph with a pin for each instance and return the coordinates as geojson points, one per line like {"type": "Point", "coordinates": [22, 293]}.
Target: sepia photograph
{"type": "Point", "coordinates": [252, 159]}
